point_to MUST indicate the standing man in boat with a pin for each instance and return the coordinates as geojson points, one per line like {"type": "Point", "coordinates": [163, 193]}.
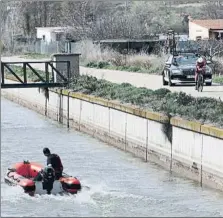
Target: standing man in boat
{"type": "Point", "coordinates": [55, 161]}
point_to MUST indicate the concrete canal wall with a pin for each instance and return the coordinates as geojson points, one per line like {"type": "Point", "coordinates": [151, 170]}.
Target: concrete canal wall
{"type": "Point", "coordinates": [188, 148]}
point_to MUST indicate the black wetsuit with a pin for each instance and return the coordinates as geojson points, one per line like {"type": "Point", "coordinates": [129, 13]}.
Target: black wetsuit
{"type": "Point", "coordinates": [56, 163]}
{"type": "Point", "coordinates": [47, 176]}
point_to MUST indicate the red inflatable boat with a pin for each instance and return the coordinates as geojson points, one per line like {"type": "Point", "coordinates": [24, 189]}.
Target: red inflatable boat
{"type": "Point", "coordinates": [23, 173]}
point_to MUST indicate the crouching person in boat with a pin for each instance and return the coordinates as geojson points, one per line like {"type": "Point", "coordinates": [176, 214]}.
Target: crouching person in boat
{"type": "Point", "coordinates": [47, 177]}
{"type": "Point", "coordinates": [55, 161]}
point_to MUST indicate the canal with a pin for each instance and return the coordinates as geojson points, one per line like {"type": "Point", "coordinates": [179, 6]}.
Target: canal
{"type": "Point", "coordinates": [120, 185]}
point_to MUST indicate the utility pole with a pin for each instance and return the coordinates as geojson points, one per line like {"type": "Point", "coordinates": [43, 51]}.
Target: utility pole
{"type": "Point", "coordinates": [44, 14]}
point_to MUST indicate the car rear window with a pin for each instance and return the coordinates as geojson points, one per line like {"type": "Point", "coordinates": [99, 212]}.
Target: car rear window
{"type": "Point", "coordinates": [182, 60]}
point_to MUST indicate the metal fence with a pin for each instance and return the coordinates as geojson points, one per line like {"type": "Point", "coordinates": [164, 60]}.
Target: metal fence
{"type": "Point", "coordinates": [42, 47]}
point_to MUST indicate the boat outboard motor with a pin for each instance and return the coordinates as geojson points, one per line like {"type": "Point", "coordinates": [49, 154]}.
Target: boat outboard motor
{"type": "Point", "coordinates": [48, 178]}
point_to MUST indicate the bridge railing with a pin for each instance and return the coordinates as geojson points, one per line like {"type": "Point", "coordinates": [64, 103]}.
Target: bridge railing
{"type": "Point", "coordinates": [26, 75]}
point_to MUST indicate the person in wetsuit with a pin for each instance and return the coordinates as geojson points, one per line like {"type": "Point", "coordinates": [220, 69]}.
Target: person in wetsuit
{"type": "Point", "coordinates": [47, 177]}
{"type": "Point", "coordinates": [55, 161]}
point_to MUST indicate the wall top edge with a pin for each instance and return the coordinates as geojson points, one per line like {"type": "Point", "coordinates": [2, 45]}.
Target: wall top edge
{"type": "Point", "coordinates": [194, 126]}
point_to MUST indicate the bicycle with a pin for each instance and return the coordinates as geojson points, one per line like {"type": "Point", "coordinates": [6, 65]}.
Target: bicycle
{"type": "Point", "coordinates": [200, 82]}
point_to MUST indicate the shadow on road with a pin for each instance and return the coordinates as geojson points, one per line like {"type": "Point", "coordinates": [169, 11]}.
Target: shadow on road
{"type": "Point", "coordinates": [215, 91]}
{"type": "Point", "coordinates": [184, 85]}
{"type": "Point", "coordinates": [192, 85]}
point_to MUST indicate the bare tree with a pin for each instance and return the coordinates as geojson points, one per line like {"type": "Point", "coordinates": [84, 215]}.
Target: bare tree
{"type": "Point", "coordinates": [105, 20]}
{"type": "Point", "coordinates": [211, 48]}
{"type": "Point", "coordinates": [214, 10]}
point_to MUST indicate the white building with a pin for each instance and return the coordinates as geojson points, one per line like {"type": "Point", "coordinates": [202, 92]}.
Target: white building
{"type": "Point", "coordinates": [51, 34]}
{"type": "Point", "coordinates": [205, 29]}
{"type": "Point", "coordinates": [178, 37]}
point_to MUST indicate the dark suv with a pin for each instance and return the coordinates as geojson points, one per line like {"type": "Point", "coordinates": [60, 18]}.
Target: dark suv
{"type": "Point", "coordinates": [181, 69]}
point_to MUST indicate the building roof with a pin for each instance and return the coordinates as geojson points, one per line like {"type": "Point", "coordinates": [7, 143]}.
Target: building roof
{"type": "Point", "coordinates": [54, 29]}
{"type": "Point", "coordinates": [210, 24]}
{"type": "Point", "coordinates": [60, 29]}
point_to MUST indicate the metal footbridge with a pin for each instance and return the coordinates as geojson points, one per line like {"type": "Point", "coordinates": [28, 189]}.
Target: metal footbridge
{"type": "Point", "coordinates": [24, 74]}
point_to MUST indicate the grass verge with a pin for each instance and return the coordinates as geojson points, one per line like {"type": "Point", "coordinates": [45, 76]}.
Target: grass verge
{"type": "Point", "coordinates": [154, 69]}
{"type": "Point", "coordinates": [93, 56]}
{"type": "Point", "coordinates": [204, 110]}
{"type": "Point", "coordinates": [30, 74]}
{"type": "Point", "coordinates": [35, 56]}
{"type": "Point", "coordinates": [218, 79]}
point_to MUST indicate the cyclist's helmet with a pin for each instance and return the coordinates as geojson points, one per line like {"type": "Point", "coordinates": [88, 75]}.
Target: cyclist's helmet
{"type": "Point", "coordinates": [200, 60]}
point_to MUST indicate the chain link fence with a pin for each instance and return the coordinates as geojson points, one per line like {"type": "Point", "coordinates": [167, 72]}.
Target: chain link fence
{"type": "Point", "coordinates": [42, 47]}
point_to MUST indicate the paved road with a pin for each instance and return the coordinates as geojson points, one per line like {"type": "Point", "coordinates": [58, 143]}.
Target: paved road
{"type": "Point", "coordinates": [120, 185]}
{"type": "Point", "coordinates": [138, 79]}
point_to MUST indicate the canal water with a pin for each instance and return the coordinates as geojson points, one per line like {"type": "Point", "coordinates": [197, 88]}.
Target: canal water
{"type": "Point", "coordinates": [120, 185]}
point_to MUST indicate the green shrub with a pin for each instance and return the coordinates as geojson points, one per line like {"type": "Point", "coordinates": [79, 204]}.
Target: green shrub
{"type": "Point", "coordinates": [207, 110]}
{"type": "Point", "coordinates": [30, 75]}
{"type": "Point", "coordinates": [35, 56]}
{"type": "Point", "coordinates": [218, 79]}
{"type": "Point", "coordinates": [91, 64]}
{"type": "Point", "coordinates": [100, 64]}
{"type": "Point", "coordinates": [103, 64]}
{"type": "Point", "coordinates": [162, 100]}
{"type": "Point", "coordinates": [152, 69]}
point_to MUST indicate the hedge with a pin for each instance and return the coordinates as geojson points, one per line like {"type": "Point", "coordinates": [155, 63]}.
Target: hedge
{"type": "Point", "coordinates": [202, 109]}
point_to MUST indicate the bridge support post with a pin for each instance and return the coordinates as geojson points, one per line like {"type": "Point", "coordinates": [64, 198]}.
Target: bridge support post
{"type": "Point", "coordinates": [69, 69]}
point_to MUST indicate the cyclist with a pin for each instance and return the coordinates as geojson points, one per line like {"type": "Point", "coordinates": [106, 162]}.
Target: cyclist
{"type": "Point", "coordinates": [200, 67]}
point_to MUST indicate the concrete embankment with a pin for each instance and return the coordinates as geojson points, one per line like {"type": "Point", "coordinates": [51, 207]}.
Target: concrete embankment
{"type": "Point", "coordinates": [188, 148]}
